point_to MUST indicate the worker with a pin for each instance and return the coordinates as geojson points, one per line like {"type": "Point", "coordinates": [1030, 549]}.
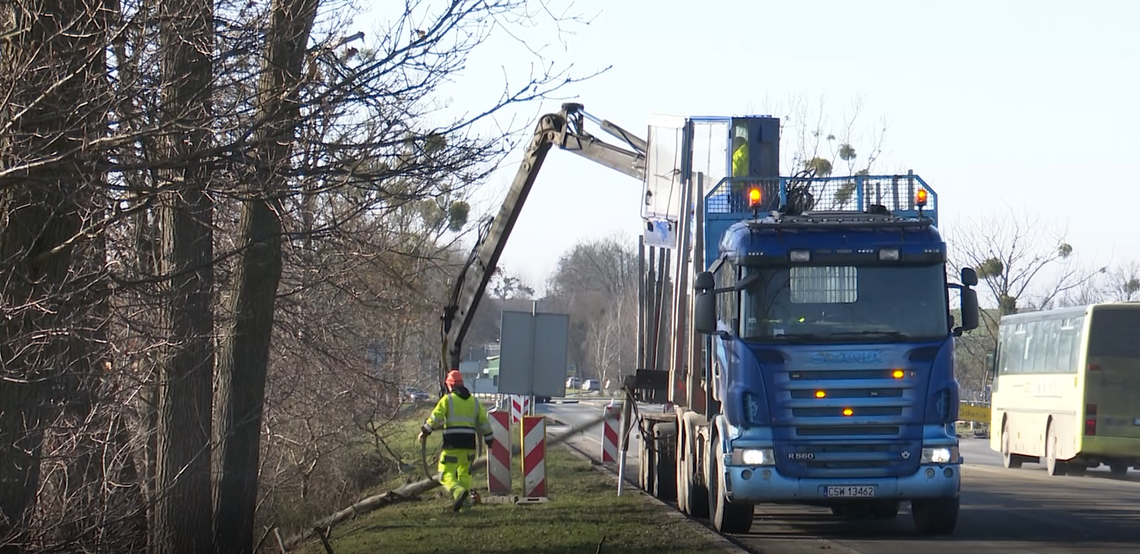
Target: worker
{"type": "Point", "coordinates": [463, 420]}
{"type": "Point", "coordinates": [740, 157]}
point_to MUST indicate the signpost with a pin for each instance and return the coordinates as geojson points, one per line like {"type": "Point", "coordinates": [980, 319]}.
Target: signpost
{"type": "Point", "coordinates": [533, 355]}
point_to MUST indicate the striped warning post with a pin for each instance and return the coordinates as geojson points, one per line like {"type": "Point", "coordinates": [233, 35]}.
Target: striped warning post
{"type": "Point", "coordinates": [499, 458]}
{"type": "Point", "coordinates": [520, 406]}
{"type": "Point", "coordinates": [534, 456]}
{"type": "Point", "coordinates": [610, 421]}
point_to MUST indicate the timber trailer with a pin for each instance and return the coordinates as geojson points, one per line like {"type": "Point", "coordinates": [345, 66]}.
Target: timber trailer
{"type": "Point", "coordinates": [795, 333]}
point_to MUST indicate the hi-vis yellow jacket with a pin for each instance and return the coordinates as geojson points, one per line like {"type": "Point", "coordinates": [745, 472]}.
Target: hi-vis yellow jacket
{"type": "Point", "coordinates": [462, 418]}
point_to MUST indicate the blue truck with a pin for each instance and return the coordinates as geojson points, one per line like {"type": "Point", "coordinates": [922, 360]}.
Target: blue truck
{"type": "Point", "coordinates": [806, 353]}
{"type": "Point", "coordinates": [797, 332]}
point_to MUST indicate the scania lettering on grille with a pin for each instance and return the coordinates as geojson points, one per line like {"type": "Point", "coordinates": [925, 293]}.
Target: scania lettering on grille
{"type": "Point", "coordinates": [847, 357]}
{"type": "Point", "coordinates": [801, 455]}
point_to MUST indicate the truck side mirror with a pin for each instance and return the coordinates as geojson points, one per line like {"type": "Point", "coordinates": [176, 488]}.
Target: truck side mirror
{"type": "Point", "coordinates": [704, 281]}
{"type": "Point", "coordinates": [704, 303]}
{"type": "Point", "coordinates": [969, 276]}
{"type": "Point", "coordinates": [969, 309]}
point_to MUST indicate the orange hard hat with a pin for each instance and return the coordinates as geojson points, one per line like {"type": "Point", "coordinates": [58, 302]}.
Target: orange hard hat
{"type": "Point", "coordinates": [454, 378]}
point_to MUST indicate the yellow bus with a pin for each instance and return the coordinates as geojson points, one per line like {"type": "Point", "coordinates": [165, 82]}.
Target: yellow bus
{"type": "Point", "coordinates": [1066, 390]}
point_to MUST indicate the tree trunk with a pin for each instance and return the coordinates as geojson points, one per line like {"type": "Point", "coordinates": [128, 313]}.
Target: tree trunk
{"type": "Point", "coordinates": [50, 67]}
{"type": "Point", "coordinates": [182, 509]}
{"type": "Point", "coordinates": [244, 356]}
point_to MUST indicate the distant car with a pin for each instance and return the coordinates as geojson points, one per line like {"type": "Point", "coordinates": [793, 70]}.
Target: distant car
{"type": "Point", "coordinates": [591, 385]}
{"type": "Point", "coordinates": [573, 383]}
{"type": "Point", "coordinates": [416, 395]}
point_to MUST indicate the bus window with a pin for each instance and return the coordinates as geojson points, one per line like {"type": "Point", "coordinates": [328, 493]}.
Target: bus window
{"type": "Point", "coordinates": [1113, 334]}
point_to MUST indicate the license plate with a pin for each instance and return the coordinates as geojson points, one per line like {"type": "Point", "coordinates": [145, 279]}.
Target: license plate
{"type": "Point", "coordinates": [861, 491]}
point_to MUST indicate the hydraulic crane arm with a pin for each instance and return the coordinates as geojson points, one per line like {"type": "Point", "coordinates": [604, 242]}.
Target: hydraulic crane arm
{"type": "Point", "coordinates": [565, 129]}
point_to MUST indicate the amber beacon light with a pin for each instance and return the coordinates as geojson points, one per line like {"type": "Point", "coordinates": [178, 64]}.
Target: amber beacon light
{"type": "Point", "coordinates": [920, 197]}
{"type": "Point", "coordinates": [754, 196]}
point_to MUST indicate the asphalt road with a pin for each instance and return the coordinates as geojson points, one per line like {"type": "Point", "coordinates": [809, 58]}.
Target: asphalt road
{"type": "Point", "coordinates": [1003, 510]}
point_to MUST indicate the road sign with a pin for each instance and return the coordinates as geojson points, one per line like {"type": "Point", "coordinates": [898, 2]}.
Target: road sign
{"type": "Point", "coordinates": [533, 353]}
{"type": "Point", "coordinates": [977, 414]}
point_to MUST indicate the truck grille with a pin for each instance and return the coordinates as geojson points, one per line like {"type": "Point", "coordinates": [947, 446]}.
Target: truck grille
{"type": "Point", "coordinates": [862, 459]}
{"type": "Point", "coordinates": [856, 419]}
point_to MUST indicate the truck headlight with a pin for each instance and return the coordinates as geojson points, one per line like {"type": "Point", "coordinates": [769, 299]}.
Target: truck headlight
{"type": "Point", "coordinates": [757, 457]}
{"type": "Point", "coordinates": [940, 455]}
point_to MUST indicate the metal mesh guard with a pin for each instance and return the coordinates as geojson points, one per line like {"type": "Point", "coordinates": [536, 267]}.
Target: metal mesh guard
{"type": "Point", "coordinates": [850, 194]}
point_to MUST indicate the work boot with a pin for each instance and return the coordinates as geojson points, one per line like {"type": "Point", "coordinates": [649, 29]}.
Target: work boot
{"type": "Point", "coordinates": [460, 501]}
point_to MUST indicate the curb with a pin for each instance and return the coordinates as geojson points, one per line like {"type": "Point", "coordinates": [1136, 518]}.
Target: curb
{"type": "Point", "coordinates": [725, 544]}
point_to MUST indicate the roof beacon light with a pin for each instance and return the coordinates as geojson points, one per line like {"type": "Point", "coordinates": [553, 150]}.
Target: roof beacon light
{"type": "Point", "coordinates": [920, 197]}
{"type": "Point", "coordinates": [753, 197]}
{"type": "Point", "coordinates": [848, 412]}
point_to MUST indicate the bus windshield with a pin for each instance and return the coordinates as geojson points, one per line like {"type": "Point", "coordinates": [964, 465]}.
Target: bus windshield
{"type": "Point", "coordinates": [844, 303]}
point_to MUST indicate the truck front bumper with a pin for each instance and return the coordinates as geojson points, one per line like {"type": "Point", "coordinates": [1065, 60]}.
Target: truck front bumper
{"type": "Point", "coordinates": [764, 484]}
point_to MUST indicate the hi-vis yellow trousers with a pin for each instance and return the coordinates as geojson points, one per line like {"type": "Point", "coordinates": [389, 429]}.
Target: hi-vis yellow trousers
{"type": "Point", "coordinates": [455, 470]}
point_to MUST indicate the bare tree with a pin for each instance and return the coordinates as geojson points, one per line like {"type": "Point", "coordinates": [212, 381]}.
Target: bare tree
{"type": "Point", "coordinates": [244, 354]}
{"type": "Point", "coordinates": [818, 144]}
{"type": "Point", "coordinates": [52, 293]}
{"type": "Point", "coordinates": [1022, 265]}
{"type": "Point", "coordinates": [1123, 282]}
{"type": "Point", "coordinates": [182, 506]}
{"type": "Point", "coordinates": [591, 282]}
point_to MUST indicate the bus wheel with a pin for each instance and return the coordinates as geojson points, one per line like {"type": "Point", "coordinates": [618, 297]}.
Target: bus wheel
{"type": "Point", "coordinates": [1118, 468]}
{"type": "Point", "coordinates": [1008, 459]}
{"type": "Point", "coordinates": [1052, 466]}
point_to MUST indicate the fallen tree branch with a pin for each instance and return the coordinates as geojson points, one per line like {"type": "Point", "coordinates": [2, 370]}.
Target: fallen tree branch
{"type": "Point", "coordinates": [412, 490]}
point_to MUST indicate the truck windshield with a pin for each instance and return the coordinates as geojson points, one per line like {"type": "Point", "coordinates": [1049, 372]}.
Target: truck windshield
{"type": "Point", "coordinates": [844, 303]}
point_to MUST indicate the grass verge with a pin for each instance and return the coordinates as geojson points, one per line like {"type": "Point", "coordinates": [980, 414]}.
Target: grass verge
{"type": "Point", "coordinates": [584, 515]}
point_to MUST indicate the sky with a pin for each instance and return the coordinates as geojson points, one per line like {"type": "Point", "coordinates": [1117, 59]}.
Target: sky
{"type": "Point", "coordinates": [1029, 106]}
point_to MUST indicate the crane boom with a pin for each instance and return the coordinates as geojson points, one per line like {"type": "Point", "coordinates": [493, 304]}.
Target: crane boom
{"type": "Point", "coordinates": [565, 129]}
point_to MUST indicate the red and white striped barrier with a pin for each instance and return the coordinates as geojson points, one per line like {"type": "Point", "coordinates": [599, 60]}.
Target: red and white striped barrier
{"type": "Point", "coordinates": [610, 421]}
{"type": "Point", "coordinates": [534, 456]}
{"type": "Point", "coordinates": [520, 406]}
{"type": "Point", "coordinates": [499, 458]}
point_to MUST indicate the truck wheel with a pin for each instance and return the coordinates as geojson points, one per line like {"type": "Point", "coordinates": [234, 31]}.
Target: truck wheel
{"type": "Point", "coordinates": [935, 516]}
{"type": "Point", "coordinates": [1008, 458]}
{"type": "Point", "coordinates": [727, 516]}
{"type": "Point", "coordinates": [683, 460]}
{"type": "Point", "coordinates": [694, 496]}
{"type": "Point", "coordinates": [1052, 466]}
{"type": "Point", "coordinates": [644, 468]}
{"type": "Point", "coordinates": [664, 475]}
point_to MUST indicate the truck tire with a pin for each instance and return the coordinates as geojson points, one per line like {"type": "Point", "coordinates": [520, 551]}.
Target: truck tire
{"type": "Point", "coordinates": [683, 459]}
{"type": "Point", "coordinates": [935, 516]}
{"type": "Point", "coordinates": [726, 516]}
{"type": "Point", "coordinates": [689, 490]}
{"type": "Point", "coordinates": [664, 475]}
{"type": "Point", "coordinates": [644, 468]}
